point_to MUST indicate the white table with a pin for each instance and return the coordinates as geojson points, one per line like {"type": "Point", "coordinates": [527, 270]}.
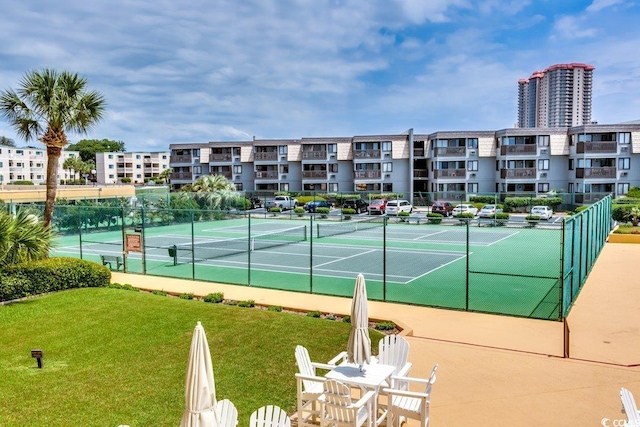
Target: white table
{"type": "Point", "coordinates": [372, 377]}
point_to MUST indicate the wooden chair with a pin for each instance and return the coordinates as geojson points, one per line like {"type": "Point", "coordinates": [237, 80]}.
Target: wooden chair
{"type": "Point", "coordinates": [338, 409]}
{"type": "Point", "coordinates": [394, 350]}
{"type": "Point", "coordinates": [410, 404]}
{"type": "Point", "coordinates": [630, 408]}
{"type": "Point", "coordinates": [270, 416]}
{"type": "Point", "coordinates": [227, 413]}
{"type": "Point", "coordinates": [309, 387]}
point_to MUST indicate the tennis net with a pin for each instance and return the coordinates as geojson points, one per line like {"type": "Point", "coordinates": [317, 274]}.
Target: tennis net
{"type": "Point", "coordinates": [346, 227]}
{"type": "Point", "coordinates": [229, 247]}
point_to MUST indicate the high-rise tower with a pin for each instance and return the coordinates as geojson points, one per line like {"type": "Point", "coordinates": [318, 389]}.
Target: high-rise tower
{"type": "Point", "coordinates": [559, 96]}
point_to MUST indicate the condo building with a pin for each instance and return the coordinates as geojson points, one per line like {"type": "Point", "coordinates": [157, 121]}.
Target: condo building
{"type": "Point", "coordinates": [138, 167]}
{"type": "Point", "coordinates": [30, 164]}
{"type": "Point", "coordinates": [559, 96]}
{"type": "Point", "coordinates": [589, 161]}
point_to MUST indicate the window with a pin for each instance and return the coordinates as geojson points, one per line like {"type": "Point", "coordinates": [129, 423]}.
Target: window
{"type": "Point", "coordinates": [197, 169]}
{"type": "Point", "coordinates": [110, 166]}
{"type": "Point", "coordinates": [237, 169]}
{"type": "Point", "coordinates": [164, 166]}
{"type": "Point", "coordinates": [284, 168]}
{"type": "Point", "coordinates": [20, 152]}
{"type": "Point", "coordinates": [284, 186]}
{"type": "Point", "coordinates": [387, 187]}
{"type": "Point", "coordinates": [386, 145]}
{"type": "Point", "coordinates": [543, 187]}
{"type": "Point", "coordinates": [543, 164]}
{"type": "Point", "coordinates": [387, 167]}
{"type": "Point", "coordinates": [624, 137]}
{"type": "Point", "coordinates": [282, 149]}
{"type": "Point", "coordinates": [196, 152]}
{"type": "Point", "coordinates": [472, 165]}
{"type": "Point", "coordinates": [333, 167]}
{"type": "Point", "coordinates": [624, 163]}
{"type": "Point", "coordinates": [472, 142]}
{"type": "Point", "coordinates": [164, 157]}
{"type": "Point", "coordinates": [38, 153]}
{"type": "Point", "coordinates": [543, 140]}
{"type": "Point", "coordinates": [570, 164]}
{"type": "Point", "coordinates": [472, 187]}
{"type": "Point", "coordinates": [238, 186]}
{"type": "Point", "coordinates": [138, 156]}
{"type": "Point", "coordinates": [111, 176]}
{"type": "Point", "coordinates": [333, 187]}
{"type": "Point", "coordinates": [138, 166]}
{"type": "Point", "coordinates": [236, 151]}
{"type": "Point", "coordinates": [623, 188]}
{"type": "Point", "coordinates": [139, 176]}
{"type": "Point", "coordinates": [332, 148]}
{"type": "Point", "coordinates": [0, 164]}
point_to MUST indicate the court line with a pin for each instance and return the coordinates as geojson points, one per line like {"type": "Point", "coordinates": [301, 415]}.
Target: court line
{"type": "Point", "coordinates": [343, 258]}
{"type": "Point", "coordinates": [437, 268]}
{"type": "Point", "coordinates": [504, 238]}
{"type": "Point", "coordinates": [429, 235]}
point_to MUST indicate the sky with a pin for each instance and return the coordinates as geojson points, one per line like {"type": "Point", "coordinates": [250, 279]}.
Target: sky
{"type": "Point", "coordinates": [226, 70]}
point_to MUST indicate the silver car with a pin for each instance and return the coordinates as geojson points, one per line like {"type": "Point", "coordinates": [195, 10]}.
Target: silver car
{"type": "Point", "coordinates": [544, 212]}
{"type": "Point", "coordinates": [489, 211]}
{"type": "Point", "coordinates": [464, 208]}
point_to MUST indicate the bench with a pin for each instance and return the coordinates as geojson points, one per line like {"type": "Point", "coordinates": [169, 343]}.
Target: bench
{"type": "Point", "coordinates": [111, 260]}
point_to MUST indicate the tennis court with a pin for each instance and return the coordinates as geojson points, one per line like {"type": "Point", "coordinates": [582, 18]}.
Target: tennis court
{"type": "Point", "coordinates": [491, 269]}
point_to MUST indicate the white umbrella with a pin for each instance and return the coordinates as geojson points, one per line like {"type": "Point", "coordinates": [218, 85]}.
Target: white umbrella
{"type": "Point", "coordinates": [200, 389]}
{"type": "Point", "coordinates": [359, 347]}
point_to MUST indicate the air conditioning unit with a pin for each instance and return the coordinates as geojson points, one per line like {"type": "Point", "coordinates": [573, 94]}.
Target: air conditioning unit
{"type": "Point", "coordinates": [624, 174]}
{"type": "Point", "coordinates": [624, 149]}
{"type": "Point", "coordinates": [237, 176]}
{"type": "Point", "coordinates": [332, 176]}
{"type": "Point", "coordinates": [544, 151]}
{"type": "Point", "coordinates": [283, 177]}
{"type": "Point", "coordinates": [332, 156]}
{"type": "Point", "coordinates": [388, 175]}
{"type": "Point", "coordinates": [472, 152]}
{"type": "Point", "coordinates": [543, 174]}
{"type": "Point", "coordinates": [236, 159]}
{"type": "Point", "coordinates": [283, 157]}
{"type": "Point", "coordinates": [473, 175]}
{"type": "Point", "coordinates": [387, 154]}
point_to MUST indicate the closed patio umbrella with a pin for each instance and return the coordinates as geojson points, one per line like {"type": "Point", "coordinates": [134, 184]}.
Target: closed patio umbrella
{"type": "Point", "coordinates": [200, 390]}
{"type": "Point", "coordinates": [359, 347]}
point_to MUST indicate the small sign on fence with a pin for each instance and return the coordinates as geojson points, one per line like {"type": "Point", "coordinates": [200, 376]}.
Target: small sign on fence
{"type": "Point", "coordinates": [133, 242]}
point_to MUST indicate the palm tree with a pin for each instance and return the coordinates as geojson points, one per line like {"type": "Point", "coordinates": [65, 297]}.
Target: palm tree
{"type": "Point", "coordinates": [46, 106]}
{"type": "Point", "coordinates": [214, 191]}
{"type": "Point", "coordinates": [22, 238]}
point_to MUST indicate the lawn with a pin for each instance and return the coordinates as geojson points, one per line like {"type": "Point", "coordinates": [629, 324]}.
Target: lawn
{"type": "Point", "coordinates": [119, 357]}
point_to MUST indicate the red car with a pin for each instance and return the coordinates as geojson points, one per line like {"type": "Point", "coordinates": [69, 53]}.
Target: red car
{"type": "Point", "coordinates": [378, 206]}
{"type": "Point", "coordinates": [442, 208]}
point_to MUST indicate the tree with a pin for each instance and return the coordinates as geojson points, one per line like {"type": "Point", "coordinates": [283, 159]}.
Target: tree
{"type": "Point", "coordinates": [7, 141]}
{"type": "Point", "coordinates": [47, 105]}
{"type": "Point", "coordinates": [22, 238]}
{"type": "Point", "coordinates": [71, 164]}
{"type": "Point", "coordinates": [213, 192]}
{"type": "Point", "coordinates": [166, 175]}
{"type": "Point", "coordinates": [89, 147]}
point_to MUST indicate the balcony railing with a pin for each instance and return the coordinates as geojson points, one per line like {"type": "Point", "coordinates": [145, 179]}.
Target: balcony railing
{"type": "Point", "coordinates": [518, 149]}
{"type": "Point", "coordinates": [367, 174]}
{"type": "Point", "coordinates": [266, 175]}
{"type": "Point", "coordinates": [266, 155]}
{"type": "Point", "coordinates": [181, 159]}
{"type": "Point", "coordinates": [596, 173]}
{"type": "Point", "coordinates": [366, 154]}
{"type": "Point", "coordinates": [226, 174]}
{"type": "Point", "coordinates": [450, 152]}
{"type": "Point", "coordinates": [418, 152]}
{"type": "Point", "coordinates": [314, 174]}
{"type": "Point", "coordinates": [596, 147]}
{"type": "Point", "coordinates": [421, 173]}
{"type": "Point", "coordinates": [226, 157]}
{"type": "Point", "coordinates": [182, 175]}
{"type": "Point", "coordinates": [520, 173]}
{"type": "Point", "coordinates": [314, 155]}
{"type": "Point", "coordinates": [451, 173]}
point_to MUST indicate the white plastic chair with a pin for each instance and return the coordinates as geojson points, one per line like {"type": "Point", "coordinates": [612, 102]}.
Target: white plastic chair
{"type": "Point", "coordinates": [338, 409]}
{"type": "Point", "coordinates": [270, 416]}
{"type": "Point", "coordinates": [394, 350]}
{"type": "Point", "coordinates": [227, 413]}
{"type": "Point", "coordinates": [630, 408]}
{"type": "Point", "coordinates": [410, 404]}
{"type": "Point", "coordinates": [309, 387]}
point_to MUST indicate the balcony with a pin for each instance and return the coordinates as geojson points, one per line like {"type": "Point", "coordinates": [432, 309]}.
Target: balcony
{"type": "Point", "coordinates": [366, 154]}
{"type": "Point", "coordinates": [449, 152]}
{"type": "Point", "coordinates": [451, 173]}
{"type": "Point", "coordinates": [185, 158]}
{"type": "Point", "coordinates": [597, 147]}
{"type": "Point", "coordinates": [182, 176]}
{"type": "Point", "coordinates": [226, 174]}
{"type": "Point", "coordinates": [265, 155]}
{"type": "Point", "coordinates": [421, 173]}
{"type": "Point", "coordinates": [314, 174]}
{"type": "Point", "coordinates": [518, 173]}
{"type": "Point", "coordinates": [518, 149]}
{"type": "Point", "coordinates": [219, 157]}
{"type": "Point", "coordinates": [367, 174]}
{"type": "Point", "coordinates": [418, 152]}
{"type": "Point", "coordinates": [266, 175]}
{"type": "Point", "coordinates": [596, 173]}
{"type": "Point", "coordinates": [314, 155]}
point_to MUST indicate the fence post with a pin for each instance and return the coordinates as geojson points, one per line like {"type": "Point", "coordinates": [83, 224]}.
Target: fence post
{"type": "Point", "coordinates": [466, 307]}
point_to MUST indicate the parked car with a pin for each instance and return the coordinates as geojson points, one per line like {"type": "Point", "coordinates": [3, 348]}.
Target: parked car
{"type": "Point", "coordinates": [357, 205]}
{"type": "Point", "coordinates": [395, 206]}
{"type": "Point", "coordinates": [489, 211]}
{"type": "Point", "coordinates": [255, 202]}
{"type": "Point", "coordinates": [442, 208]}
{"type": "Point", "coordinates": [544, 212]}
{"type": "Point", "coordinates": [464, 208]}
{"type": "Point", "coordinates": [378, 206]}
{"type": "Point", "coordinates": [315, 204]}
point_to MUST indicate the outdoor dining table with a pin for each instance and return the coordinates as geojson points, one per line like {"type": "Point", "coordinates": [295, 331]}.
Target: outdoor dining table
{"type": "Point", "coordinates": [371, 377]}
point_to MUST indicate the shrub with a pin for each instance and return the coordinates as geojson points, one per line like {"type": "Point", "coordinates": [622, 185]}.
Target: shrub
{"type": "Point", "coordinates": [275, 209]}
{"type": "Point", "coordinates": [302, 200]}
{"type": "Point", "coordinates": [464, 215]}
{"type": "Point", "coordinates": [125, 180]}
{"type": "Point", "coordinates": [12, 287]}
{"type": "Point", "coordinates": [485, 200]}
{"type": "Point", "coordinates": [346, 319]}
{"type": "Point", "coordinates": [277, 308]}
{"type": "Point", "coordinates": [634, 193]}
{"type": "Point", "coordinates": [115, 285]}
{"type": "Point", "coordinates": [626, 229]}
{"type": "Point", "coordinates": [582, 208]}
{"type": "Point", "coordinates": [53, 274]}
{"type": "Point", "coordinates": [330, 316]}
{"type": "Point", "coordinates": [314, 314]}
{"type": "Point", "coordinates": [216, 297]}
{"type": "Point", "coordinates": [299, 211]}
{"type": "Point", "coordinates": [385, 326]}
{"type": "Point", "coordinates": [532, 218]}
{"type": "Point", "coordinates": [186, 295]}
{"type": "Point", "coordinates": [21, 182]}
{"type": "Point", "coordinates": [247, 303]}
{"type": "Point", "coordinates": [348, 211]}
{"type": "Point", "coordinates": [323, 211]}
{"type": "Point", "coordinates": [434, 218]}
{"type": "Point", "coordinates": [128, 287]}
{"type": "Point", "coordinates": [403, 213]}
{"type": "Point", "coordinates": [160, 293]}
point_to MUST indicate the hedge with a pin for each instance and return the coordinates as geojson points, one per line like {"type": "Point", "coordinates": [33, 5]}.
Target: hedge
{"type": "Point", "coordinates": [50, 275]}
{"type": "Point", "coordinates": [620, 212]}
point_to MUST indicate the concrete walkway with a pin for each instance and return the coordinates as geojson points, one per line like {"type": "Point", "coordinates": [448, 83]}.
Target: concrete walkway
{"type": "Point", "coordinates": [498, 370]}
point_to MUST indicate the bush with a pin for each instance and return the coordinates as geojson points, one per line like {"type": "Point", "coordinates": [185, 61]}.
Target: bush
{"type": "Point", "coordinates": [247, 303]}
{"type": "Point", "coordinates": [216, 297]}
{"type": "Point", "coordinates": [434, 218]}
{"type": "Point", "coordinates": [314, 314]}
{"type": "Point", "coordinates": [348, 211]}
{"type": "Point", "coordinates": [582, 208]}
{"type": "Point", "coordinates": [403, 213]}
{"type": "Point", "coordinates": [346, 319]}
{"type": "Point", "coordinates": [51, 275]}
{"type": "Point", "coordinates": [128, 287]}
{"type": "Point", "coordinates": [303, 200]}
{"type": "Point", "coordinates": [299, 211]}
{"type": "Point", "coordinates": [125, 180]}
{"type": "Point", "coordinates": [620, 213]}
{"type": "Point", "coordinates": [21, 182]}
{"type": "Point", "coordinates": [160, 293]}
{"type": "Point", "coordinates": [277, 308]}
{"type": "Point", "coordinates": [626, 229]}
{"type": "Point", "coordinates": [385, 326]}
{"type": "Point", "coordinates": [275, 209]}
{"type": "Point", "coordinates": [485, 200]}
{"type": "Point", "coordinates": [464, 215]}
{"type": "Point", "coordinates": [532, 218]}
{"type": "Point", "coordinates": [634, 193]}
{"type": "Point", "coordinates": [186, 295]}
{"type": "Point", "coordinates": [323, 211]}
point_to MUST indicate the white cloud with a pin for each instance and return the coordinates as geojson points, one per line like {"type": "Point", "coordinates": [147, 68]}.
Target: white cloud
{"type": "Point", "coordinates": [573, 27]}
{"type": "Point", "coordinates": [598, 5]}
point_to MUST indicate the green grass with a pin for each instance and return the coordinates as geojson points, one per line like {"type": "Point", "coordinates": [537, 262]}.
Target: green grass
{"type": "Point", "coordinates": [114, 357]}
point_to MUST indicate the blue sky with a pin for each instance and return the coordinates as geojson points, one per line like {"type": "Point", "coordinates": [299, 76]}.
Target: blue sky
{"type": "Point", "coordinates": [211, 70]}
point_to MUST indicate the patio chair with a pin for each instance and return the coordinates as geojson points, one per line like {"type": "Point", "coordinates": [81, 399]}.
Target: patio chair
{"type": "Point", "coordinates": [338, 409]}
{"type": "Point", "coordinates": [269, 416]}
{"type": "Point", "coordinates": [309, 387]}
{"type": "Point", "coordinates": [227, 413]}
{"type": "Point", "coordinates": [630, 408]}
{"type": "Point", "coordinates": [410, 404]}
{"type": "Point", "coordinates": [394, 350]}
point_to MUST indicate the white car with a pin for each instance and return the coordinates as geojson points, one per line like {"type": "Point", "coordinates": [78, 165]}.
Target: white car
{"type": "Point", "coordinates": [489, 211]}
{"type": "Point", "coordinates": [395, 206]}
{"type": "Point", "coordinates": [463, 208]}
{"type": "Point", "coordinates": [544, 212]}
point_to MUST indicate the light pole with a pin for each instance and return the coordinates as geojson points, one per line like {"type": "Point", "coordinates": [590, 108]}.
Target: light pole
{"type": "Point", "coordinates": [93, 176]}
